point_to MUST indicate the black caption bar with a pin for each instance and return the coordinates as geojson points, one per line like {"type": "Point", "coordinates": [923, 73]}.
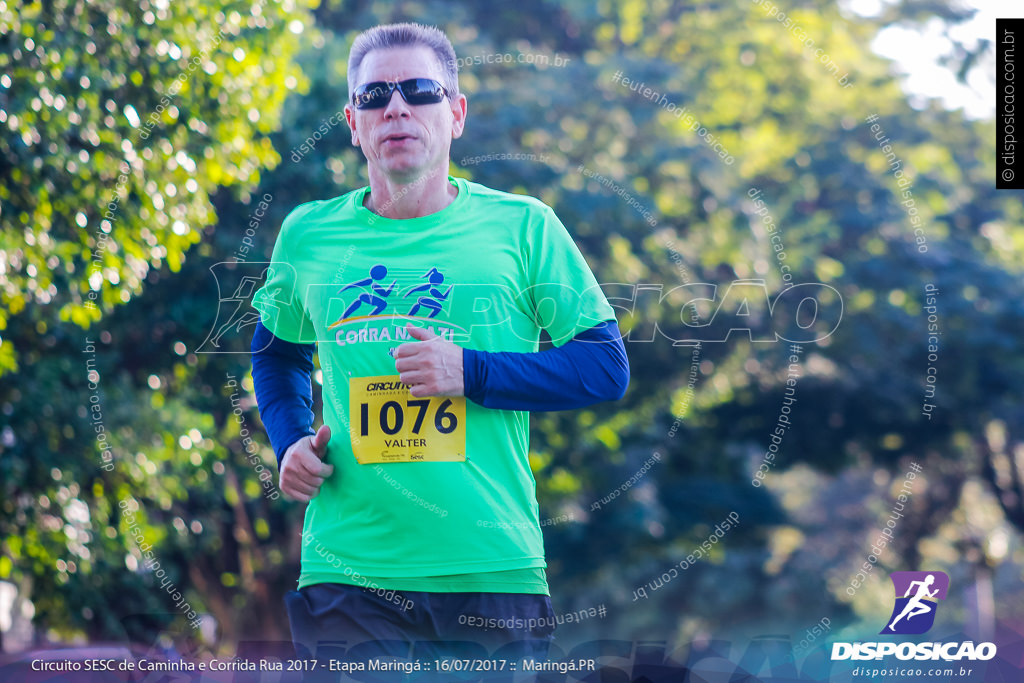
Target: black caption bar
{"type": "Point", "coordinates": [1009, 154]}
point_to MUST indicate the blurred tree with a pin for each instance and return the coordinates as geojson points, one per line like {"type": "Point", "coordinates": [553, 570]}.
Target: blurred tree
{"type": "Point", "coordinates": [121, 120]}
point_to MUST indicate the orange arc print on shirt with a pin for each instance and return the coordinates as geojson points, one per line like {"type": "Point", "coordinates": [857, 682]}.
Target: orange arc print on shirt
{"type": "Point", "coordinates": [393, 316]}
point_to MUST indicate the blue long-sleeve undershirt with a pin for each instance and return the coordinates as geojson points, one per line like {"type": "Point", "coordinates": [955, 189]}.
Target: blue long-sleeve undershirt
{"type": "Point", "coordinates": [590, 368]}
{"type": "Point", "coordinates": [281, 376]}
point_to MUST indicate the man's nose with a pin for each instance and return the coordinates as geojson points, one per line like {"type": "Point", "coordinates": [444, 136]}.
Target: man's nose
{"type": "Point", "coordinates": [397, 107]}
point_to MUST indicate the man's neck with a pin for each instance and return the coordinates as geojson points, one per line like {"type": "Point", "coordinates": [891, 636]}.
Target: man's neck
{"type": "Point", "coordinates": [418, 197]}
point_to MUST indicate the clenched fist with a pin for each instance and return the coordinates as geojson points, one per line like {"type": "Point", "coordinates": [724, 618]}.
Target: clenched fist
{"type": "Point", "coordinates": [302, 468]}
{"type": "Point", "coordinates": [431, 366]}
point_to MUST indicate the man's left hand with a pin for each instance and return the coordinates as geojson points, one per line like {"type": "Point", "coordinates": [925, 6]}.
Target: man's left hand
{"type": "Point", "coordinates": [431, 366]}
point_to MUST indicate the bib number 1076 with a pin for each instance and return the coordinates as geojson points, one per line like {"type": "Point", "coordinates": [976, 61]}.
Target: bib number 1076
{"type": "Point", "coordinates": [391, 417]}
{"type": "Point", "coordinates": [389, 424]}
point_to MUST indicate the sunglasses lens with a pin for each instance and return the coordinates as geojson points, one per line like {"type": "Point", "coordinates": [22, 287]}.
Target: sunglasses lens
{"type": "Point", "coordinates": [376, 95]}
{"type": "Point", "coordinates": [422, 91]}
{"type": "Point", "coordinates": [372, 95]}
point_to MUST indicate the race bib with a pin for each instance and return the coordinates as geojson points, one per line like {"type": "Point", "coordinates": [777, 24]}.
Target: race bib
{"type": "Point", "coordinates": [389, 424]}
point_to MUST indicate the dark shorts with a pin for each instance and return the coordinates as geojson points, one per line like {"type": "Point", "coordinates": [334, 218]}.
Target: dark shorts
{"type": "Point", "coordinates": [350, 624]}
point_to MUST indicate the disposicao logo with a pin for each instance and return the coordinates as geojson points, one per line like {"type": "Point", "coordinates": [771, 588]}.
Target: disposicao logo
{"type": "Point", "coordinates": [917, 596]}
{"type": "Point", "coordinates": [913, 613]}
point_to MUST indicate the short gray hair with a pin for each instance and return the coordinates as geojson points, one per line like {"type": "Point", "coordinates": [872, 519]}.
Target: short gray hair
{"type": "Point", "coordinates": [388, 36]}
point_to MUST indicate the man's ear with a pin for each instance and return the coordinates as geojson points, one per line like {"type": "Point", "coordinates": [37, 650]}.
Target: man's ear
{"type": "Point", "coordinates": [350, 118]}
{"type": "Point", "coordinates": [459, 108]}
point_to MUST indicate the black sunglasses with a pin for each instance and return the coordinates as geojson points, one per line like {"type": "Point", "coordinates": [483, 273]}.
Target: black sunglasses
{"type": "Point", "coordinates": [415, 91]}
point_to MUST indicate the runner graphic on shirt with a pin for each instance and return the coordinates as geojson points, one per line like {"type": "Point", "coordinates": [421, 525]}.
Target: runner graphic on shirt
{"type": "Point", "coordinates": [377, 294]}
{"type": "Point", "coordinates": [433, 302]}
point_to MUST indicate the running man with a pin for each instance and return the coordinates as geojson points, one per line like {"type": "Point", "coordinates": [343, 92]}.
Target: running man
{"type": "Point", "coordinates": [422, 505]}
{"type": "Point", "coordinates": [377, 294]}
{"type": "Point", "coordinates": [916, 605]}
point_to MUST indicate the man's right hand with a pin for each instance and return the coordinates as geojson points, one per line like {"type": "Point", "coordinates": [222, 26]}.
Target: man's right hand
{"type": "Point", "coordinates": [302, 468]}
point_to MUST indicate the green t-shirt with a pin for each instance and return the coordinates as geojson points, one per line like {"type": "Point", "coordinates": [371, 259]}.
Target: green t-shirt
{"type": "Point", "coordinates": [445, 489]}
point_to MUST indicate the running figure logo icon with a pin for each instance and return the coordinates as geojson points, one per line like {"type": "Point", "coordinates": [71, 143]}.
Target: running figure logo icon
{"type": "Point", "coordinates": [426, 299]}
{"type": "Point", "coordinates": [917, 596]}
{"type": "Point", "coordinates": [434, 299]}
{"type": "Point", "coordinates": [373, 293]}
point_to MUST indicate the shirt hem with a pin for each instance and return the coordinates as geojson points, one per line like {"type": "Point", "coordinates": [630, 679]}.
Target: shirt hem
{"type": "Point", "coordinates": [329, 574]}
{"type": "Point", "coordinates": [479, 586]}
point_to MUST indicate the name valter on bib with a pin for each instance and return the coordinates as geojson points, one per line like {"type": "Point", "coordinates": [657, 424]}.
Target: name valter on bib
{"type": "Point", "coordinates": [389, 424]}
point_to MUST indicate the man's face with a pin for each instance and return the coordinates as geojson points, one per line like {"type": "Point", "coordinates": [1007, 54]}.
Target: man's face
{"type": "Point", "coordinates": [401, 140]}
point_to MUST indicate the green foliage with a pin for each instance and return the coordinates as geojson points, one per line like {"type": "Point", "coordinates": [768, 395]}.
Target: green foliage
{"type": "Point", "coordinates": [122, 119]}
